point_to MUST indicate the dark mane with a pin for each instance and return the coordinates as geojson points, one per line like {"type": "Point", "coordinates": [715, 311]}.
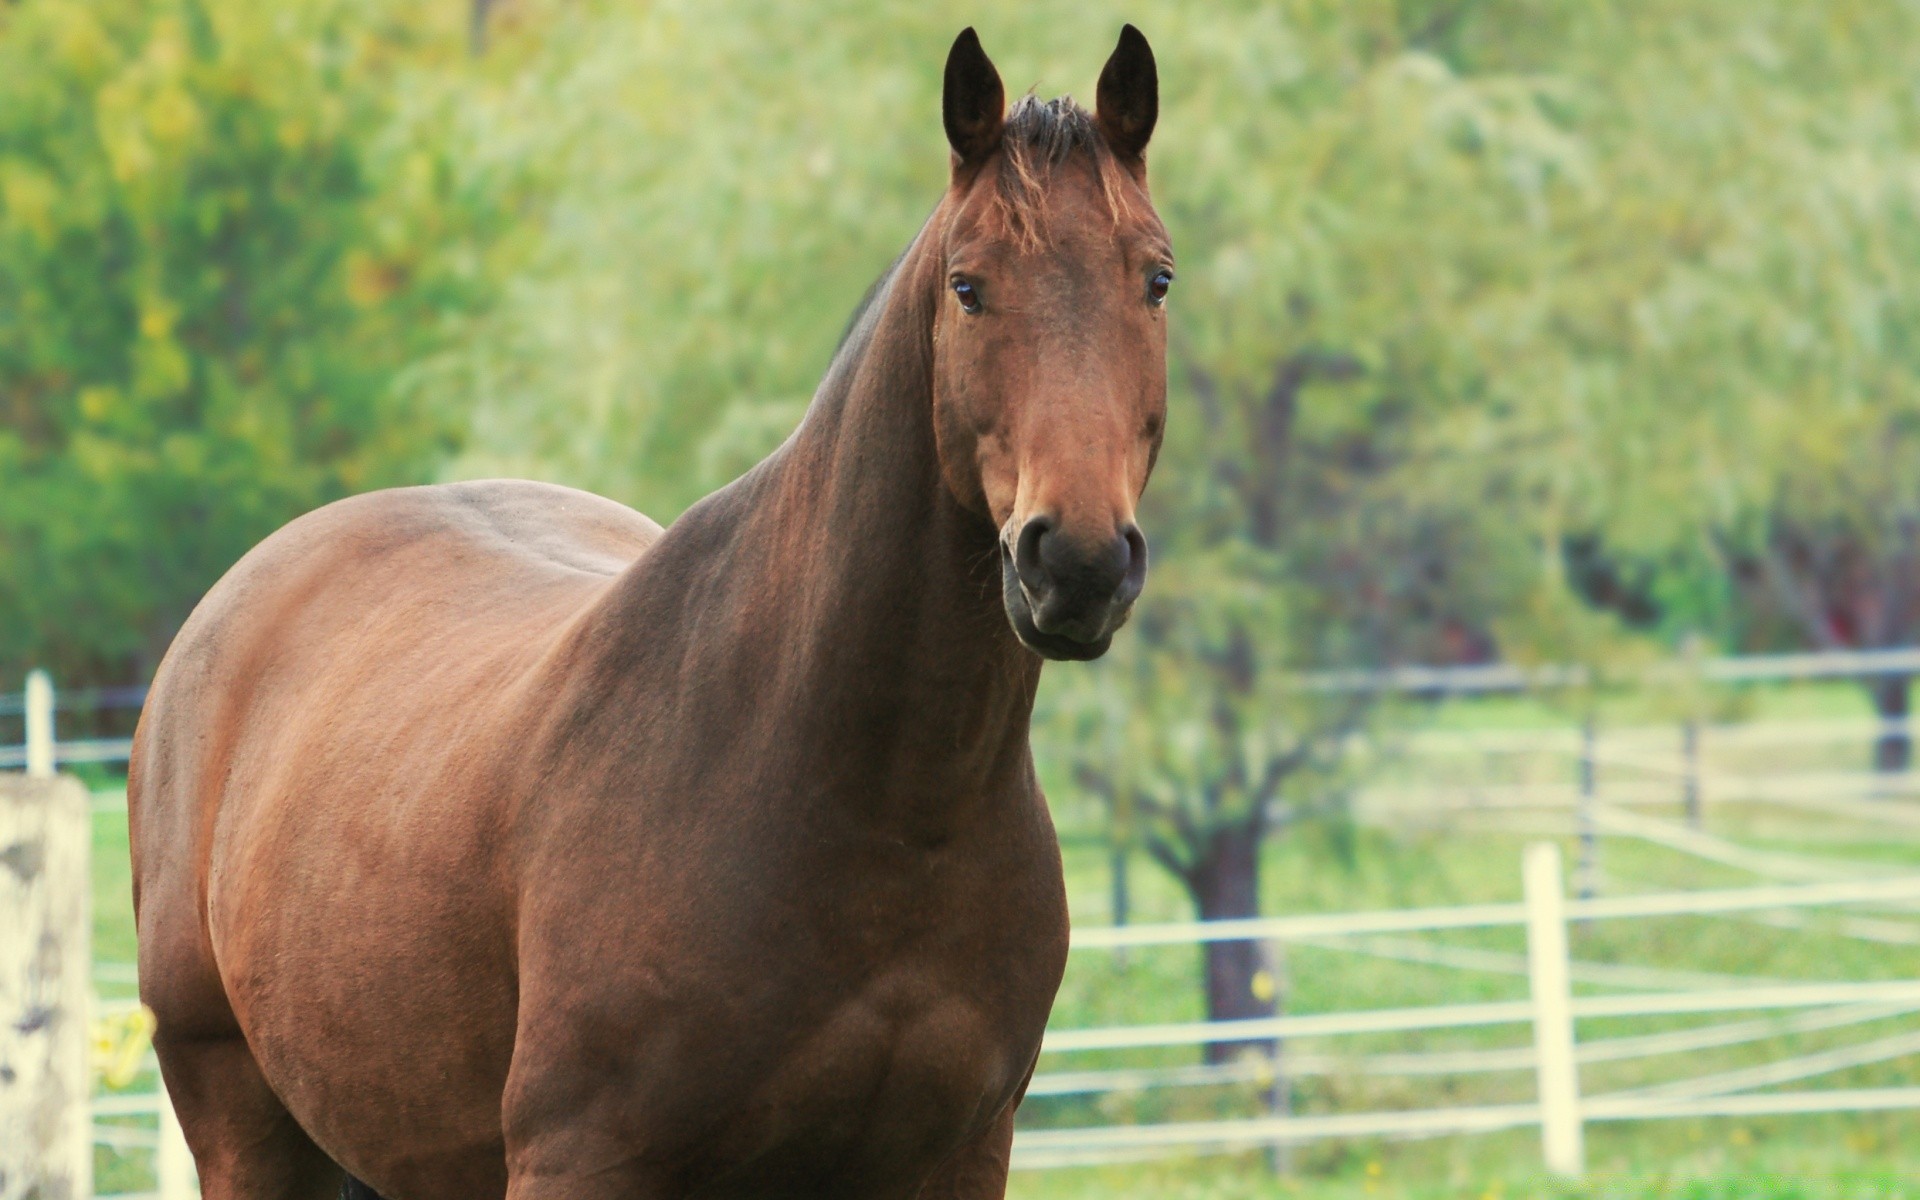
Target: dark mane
{"type": "Point", "coordinates": [1051, 130]}
{"type": "Point", "coordinates": [1040, 135]}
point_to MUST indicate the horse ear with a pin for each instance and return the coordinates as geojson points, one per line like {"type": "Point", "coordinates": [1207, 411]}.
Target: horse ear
{"type": "Point", "coordinates": [974, 106]}
{"type": "Point", "coordinates": [1128, 102]}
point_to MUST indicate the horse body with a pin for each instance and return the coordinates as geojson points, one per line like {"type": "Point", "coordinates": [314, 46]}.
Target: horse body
{"type": "Point", "coordinates": [490, 841]}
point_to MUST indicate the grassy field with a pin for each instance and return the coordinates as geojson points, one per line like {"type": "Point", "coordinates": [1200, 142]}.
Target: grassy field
{"type": "Point", "coordinates": [1328, 869]}
{"type": "Point", "coordinates": [1873, 1155]}
{"type": "Point", "coordinates": [1431, 859]}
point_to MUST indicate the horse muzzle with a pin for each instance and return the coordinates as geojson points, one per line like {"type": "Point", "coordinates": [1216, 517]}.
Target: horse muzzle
{"type": "Point", "coordinates": [1065, 596]}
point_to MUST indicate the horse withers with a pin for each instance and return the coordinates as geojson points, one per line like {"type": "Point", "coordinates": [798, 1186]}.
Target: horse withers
{"type": "Point", "coordinates": [490, 841]}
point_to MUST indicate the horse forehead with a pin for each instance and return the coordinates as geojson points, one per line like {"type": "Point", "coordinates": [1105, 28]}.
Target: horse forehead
{"type": "Point", "coordinates": [1073, 242]}
{"type": "Point", "coordinates": [1080, 255]}
{"type": "Point", "coordinates": [1067, 274]}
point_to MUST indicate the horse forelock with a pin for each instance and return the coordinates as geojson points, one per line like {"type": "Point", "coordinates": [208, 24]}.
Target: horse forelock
{"type": "Point", "coordinates": [1039, 136]}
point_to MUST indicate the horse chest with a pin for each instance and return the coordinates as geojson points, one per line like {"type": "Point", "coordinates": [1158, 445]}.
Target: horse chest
{"type": "Point", "coordinates": [806, 1048]}
{"type": "Point", "coordinates": [887, 1082]}
{"type": "Point", "coordinates": [911, 1042]}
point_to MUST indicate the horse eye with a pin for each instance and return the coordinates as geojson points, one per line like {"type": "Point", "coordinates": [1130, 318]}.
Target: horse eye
{"type": "Point", "coordinates": [969, 298]}
{"type": "Point", "coordinates": [1157, 287]}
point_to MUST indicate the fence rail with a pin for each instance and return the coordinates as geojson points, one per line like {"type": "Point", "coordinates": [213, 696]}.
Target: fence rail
{"type": "Point", "coordinates": [1504, 677]}
{"type": "Point", "coordinates": [1551, 1010]}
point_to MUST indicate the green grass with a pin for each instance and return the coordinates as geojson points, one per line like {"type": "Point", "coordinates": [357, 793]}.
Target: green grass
{"type": "Point", "coordinates": [1808, 1158]}
{"type": "Point", "coordinates": [113, 936]}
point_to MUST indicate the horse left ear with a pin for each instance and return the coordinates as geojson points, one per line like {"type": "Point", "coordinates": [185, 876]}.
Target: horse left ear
{"type": "Point", "coordinates": [1128, 102]}
{"type": "Point", "coordinates": [973, 105]}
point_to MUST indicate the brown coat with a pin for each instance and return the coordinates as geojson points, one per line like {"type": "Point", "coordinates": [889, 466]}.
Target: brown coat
{"type": "Point", "coordinates": [490, 841]}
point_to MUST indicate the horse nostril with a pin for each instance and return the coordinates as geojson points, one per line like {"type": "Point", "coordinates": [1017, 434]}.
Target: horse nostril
{"type": "Point", "coordinates": [1027, 563]}
{"type": "Point", "coordinates": [1135, 576]}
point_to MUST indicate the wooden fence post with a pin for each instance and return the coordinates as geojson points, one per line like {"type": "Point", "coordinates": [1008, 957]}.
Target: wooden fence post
{"type": "Point", "coordinates": [1690, 773]}
{"type": "Point", "coordinates": [1693, 799]}
{"type": "Point", "coordinates": [1588, 819]}
{"type": "Point", "coordinates": [1280, 1087]}
{"type": "Point", "coordinates": [40, 725]}
{"type": "Point", "coordinates": [172, 1162]}
{"type": "Point", "coordinates": [46, 1122]}
{"type": "Point", "coordinates": [1548, 973]}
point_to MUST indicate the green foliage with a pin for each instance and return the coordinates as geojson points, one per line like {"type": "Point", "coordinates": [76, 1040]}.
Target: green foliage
{"type": "Point", "coordinates": [220, 244]}
{"type": "Point", "coordinates": [1459, 282]}
{"type": "Point", "coordinates": [1741, 365]}
{"type": "Point", "coordinates": [1357, 219]}
{"type": "Point", "coordinates": [1465, 285]}
{"type": "Point", "coordinates": [718, 189]}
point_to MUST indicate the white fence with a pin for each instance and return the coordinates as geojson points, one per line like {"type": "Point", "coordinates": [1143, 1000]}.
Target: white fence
{"type": "Point", "coordinates": [1552, 1011]}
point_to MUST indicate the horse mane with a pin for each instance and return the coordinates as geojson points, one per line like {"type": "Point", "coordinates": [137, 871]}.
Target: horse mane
{"type": "Point", "coordinates": [1040, 135]}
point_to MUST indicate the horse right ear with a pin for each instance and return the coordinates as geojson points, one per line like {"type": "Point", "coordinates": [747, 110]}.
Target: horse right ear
{"type": "Point", "coordinates": [973, 105]}
{"type": "Point", "coordinates": [1128, 100]}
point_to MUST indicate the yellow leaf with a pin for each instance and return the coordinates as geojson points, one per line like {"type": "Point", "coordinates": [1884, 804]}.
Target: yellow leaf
{"type": "Point", "coordinates": [120, 1045]}
{"type": "Point", "coordinates": [96, 403]}
{"type": "Point", "coordinates": [157, 318]}
{"type": "Point", "coordinates": [28, 196]}
{"type": "Point", "coordinates": [172, 116]}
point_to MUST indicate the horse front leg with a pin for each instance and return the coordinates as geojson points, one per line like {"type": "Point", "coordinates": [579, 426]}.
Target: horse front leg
{"type": "Point", "coordinates": [978, 1169]}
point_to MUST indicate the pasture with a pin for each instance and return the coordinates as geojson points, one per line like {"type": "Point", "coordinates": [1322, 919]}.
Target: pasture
{"type": "Point", "coordinates": [1391, 855]}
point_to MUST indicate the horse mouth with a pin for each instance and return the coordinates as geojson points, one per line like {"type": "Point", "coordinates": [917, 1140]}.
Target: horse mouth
{"type": "Point", "coordinates": [1057, 647]}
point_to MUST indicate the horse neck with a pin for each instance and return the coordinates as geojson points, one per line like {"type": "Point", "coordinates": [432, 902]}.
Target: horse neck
{"type": "Point", "coordinates": [856, 600]}
{"type": "Point", "coordinates": [903, 631]}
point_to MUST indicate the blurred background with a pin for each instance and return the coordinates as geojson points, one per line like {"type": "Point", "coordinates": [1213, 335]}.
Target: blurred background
{"type": "Point", "coordinates": [1544, 462]}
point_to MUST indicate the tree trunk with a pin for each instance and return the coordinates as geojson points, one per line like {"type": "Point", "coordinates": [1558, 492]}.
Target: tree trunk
{"type": "Point", "coordinates": [1893, 750]}
{"type": "Point", "coordinates": [1225, 885]}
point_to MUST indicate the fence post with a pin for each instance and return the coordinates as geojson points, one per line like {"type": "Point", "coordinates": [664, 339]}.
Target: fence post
{"type": "Point", "coordinates": [1588, 819]}
{"type": "Point", "coordinates": [40, 725]}
{"type": "Point", "coordinates": [1280, 1087]}
{"type": "Point", "coordinates": [172, 1162]}
{"type": "Point", "coordinates": [1690, 772]}
{"type": "Point", "coordinates": [1693, 799]}
{"type": "Point", "coordinates": [1548, 973]}
{"type": "Point", "coordinates": [46, 1122]}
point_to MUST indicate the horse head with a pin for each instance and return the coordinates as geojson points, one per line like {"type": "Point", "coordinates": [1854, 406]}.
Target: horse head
{"type": "Point", "coordinates": [1050, 344]}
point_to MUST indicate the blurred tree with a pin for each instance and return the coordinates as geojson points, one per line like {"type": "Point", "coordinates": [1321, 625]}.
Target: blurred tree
{"type": "Point", "coordinates": [717, 193]}
{"type": "Point", "coordinates": [1745, 369]}
{"type": "Point", "coordinates": [222, 236]}
{"type": "Point", "coordinates": [1353, 220]}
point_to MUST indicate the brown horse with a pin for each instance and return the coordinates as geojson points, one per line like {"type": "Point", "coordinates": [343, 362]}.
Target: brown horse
{"type": "Point", "coordinates": [490, 841]}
